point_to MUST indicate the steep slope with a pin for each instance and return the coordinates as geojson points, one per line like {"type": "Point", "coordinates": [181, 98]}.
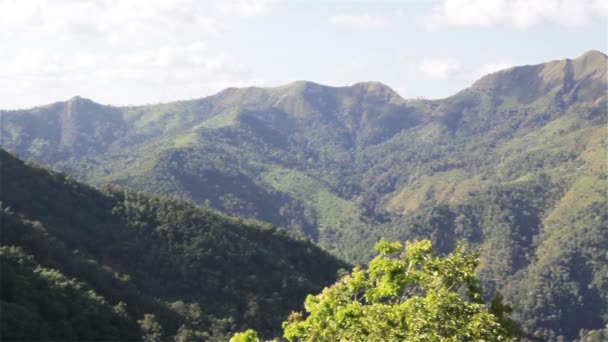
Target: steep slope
{"type": "Point", "coordinates": [519, 169]}
{"type": "Point", "coordinates": [84, 264]}
{"type": "Point", "coordinates": [196, 149]}
{"type": "Point", "coordinates": [515, 164]}
{"type": "Point", "coordinates": [78, 128]}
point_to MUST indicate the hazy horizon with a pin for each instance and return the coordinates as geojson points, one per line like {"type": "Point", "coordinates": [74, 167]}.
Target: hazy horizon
{"type": "Point", "coordinates": [144, 52]}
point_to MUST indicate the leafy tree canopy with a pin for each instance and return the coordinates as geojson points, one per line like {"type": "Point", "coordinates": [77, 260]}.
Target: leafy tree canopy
{"type": "Point", "coordinates": [406, 294]}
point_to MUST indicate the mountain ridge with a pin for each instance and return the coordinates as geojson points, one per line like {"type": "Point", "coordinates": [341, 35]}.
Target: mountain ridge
{"type": "Point", "coordinates": [512, 165]}
{"type": "Point", "coordinates": [590, 54]}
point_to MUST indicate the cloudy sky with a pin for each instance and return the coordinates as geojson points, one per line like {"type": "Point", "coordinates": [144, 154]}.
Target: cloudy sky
{"type": "Point", "coordinates": [149, 51]}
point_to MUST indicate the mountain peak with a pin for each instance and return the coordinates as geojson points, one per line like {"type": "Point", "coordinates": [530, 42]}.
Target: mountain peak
{"type": "Point", "coordinates": [591, 63]}
{"type": "Point", "coordinates": [559, 77]}
{"type": "Point", "coordinates": [301, 85]}
{"type": "Point", "coordinates": [79, 100]}
{"type": "Point", "coordinates": [592, 54]}
{"type": "Point", "coordinates": [367, 86]}
{"type": "Point", "coordinates": [375, 88]}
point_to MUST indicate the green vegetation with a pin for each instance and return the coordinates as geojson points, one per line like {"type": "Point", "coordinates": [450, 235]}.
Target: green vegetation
{"type": "Point", "coordinates": [550, 271]}
{"type": "Point", "coordinates": [40, 303]}
{"type": "Point", "coordinates": [332, 211]}
{"type": "Point", "coordinates": [515, 165]}
{"type": "Point", "coordinates": [406, 294]}
{"type": "Point", "coordinates": [82, 264]}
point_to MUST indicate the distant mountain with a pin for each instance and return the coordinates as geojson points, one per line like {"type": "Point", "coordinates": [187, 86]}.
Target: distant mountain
{"type": "Point", "coordinates": [83, 264]}
{"type": "Point", "coordinates": [228, 151]}
{"type": "Point", "coordinates": [514, 164]}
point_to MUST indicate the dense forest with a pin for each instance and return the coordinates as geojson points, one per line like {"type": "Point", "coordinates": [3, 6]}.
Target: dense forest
{"type": "Point", "coordinates": [79, 263]}
{"type": "Point", "coordinates": [514, 165]}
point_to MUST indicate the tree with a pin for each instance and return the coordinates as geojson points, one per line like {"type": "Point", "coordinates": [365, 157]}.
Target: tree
{"type": "Point", "coordinates": [406, 294]}
{"type": "Point", "coordinates": [245, 336]}
{"type": "Point", "coordinates": [152, 331]}
{"type": "Point", "coordinates": [184, 335]}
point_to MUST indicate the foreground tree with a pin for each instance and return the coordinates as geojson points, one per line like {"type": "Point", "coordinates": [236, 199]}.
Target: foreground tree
{"type": "Point", "coordinates": [406, 294]}
{"type": "Point", "coordinates": [245, 336]}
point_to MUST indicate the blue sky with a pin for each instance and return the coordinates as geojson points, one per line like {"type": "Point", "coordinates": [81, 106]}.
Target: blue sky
{"type": "Point", "coordinates": [148, 51]}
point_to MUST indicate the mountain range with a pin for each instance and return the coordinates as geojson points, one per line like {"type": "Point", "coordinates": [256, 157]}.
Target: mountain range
{"type": "Point", "coordinates": [515, 165]}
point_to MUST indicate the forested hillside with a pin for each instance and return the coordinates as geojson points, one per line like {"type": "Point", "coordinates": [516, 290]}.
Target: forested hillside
{"type": "Point", "coordinates": [83, 264]}
{"type": "Point", "coordinates": [514, 164]}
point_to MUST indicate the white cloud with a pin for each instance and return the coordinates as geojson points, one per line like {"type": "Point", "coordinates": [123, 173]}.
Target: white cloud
{"type": "Point", "coordinates": [440, 69]}
{"type": "Point", "coordinates": [363, 21]}
{"type": "Point", "coordinates": [131, 19]}
{"type": "Point", "coordinates": [165, 60]}
{"type": "Point", "coordinates": [244, 8]}
{"type": "Point", "coordinates": [160, 74]}
{"type": "Point", "coordinates": [32, 62]}
{"type": "Point", "coordinates": [516, 13]}
{"type": "Point", "coordinates": [115, 51]}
